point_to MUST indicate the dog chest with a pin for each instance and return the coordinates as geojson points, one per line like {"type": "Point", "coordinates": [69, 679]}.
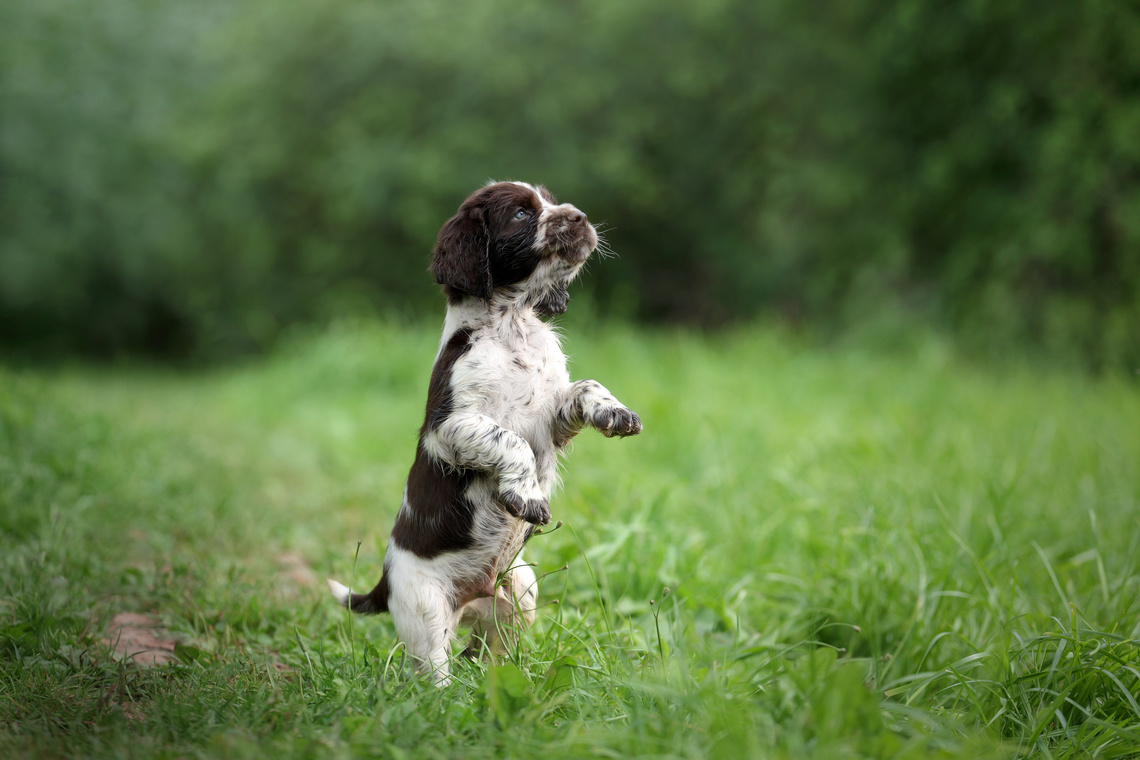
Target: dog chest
{"type": "Point", "coordinates": [514, 377]}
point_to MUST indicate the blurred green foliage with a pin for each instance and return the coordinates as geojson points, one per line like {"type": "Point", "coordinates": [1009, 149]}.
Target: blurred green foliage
{"type": "Point", "coordinates": [192, 177]}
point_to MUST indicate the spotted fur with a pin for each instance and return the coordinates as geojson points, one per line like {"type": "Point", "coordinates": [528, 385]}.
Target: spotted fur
{"type": "Point", "coordinates": [500, 408]}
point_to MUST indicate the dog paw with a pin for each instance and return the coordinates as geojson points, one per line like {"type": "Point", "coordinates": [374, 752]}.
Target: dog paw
{"type": "Point", "coordinates": [535, 511]}
{"type": "Point", "coordinates": [616, 421]}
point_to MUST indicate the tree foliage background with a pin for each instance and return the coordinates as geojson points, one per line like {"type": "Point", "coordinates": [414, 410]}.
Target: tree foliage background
{"type": "Point", "coordinates": [193, 177]}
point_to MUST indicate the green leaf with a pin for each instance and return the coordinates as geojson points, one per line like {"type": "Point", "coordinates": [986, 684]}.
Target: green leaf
{"type": "Point", "coordinates": [507, 690]}
{"type": "Point", "coordinates": [187, 653]}
{"type": "Point", "coordinates": [560, 674]}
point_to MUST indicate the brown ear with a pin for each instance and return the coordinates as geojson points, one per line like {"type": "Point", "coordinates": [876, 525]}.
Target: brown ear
{"type": "Point", "coordinates": [461, 261]}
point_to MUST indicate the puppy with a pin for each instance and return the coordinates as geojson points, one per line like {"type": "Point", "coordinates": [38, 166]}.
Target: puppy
{"type": "Point", "coordinates": [500, 408]}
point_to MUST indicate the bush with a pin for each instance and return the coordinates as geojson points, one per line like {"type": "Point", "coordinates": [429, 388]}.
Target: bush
{"type": "Point", "coordinates": [192, 179]}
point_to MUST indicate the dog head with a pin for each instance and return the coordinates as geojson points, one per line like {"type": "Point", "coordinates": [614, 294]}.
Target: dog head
{"type": "Point", "coordinates": [513, 236]}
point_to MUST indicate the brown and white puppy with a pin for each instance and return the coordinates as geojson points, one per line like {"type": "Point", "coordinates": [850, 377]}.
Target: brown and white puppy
{"type": "Point", "coordinates": [500, 407]}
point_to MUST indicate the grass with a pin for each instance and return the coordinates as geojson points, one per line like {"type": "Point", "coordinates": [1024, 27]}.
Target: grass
{"type": "Point", "coordinates": [810, 552]}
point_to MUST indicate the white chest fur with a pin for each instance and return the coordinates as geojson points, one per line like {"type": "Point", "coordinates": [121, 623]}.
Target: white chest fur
{"type": "Point", "coordinates": [514, 373]}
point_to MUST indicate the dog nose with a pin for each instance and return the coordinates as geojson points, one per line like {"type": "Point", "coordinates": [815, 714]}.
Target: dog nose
{"type": "Point", "coordinates": [576, 217]}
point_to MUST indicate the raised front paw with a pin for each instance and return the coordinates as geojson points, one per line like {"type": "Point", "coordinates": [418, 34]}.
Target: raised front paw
{"type": "Point", "coordinates": [533, 510]}
{"type": "Point", "coordinates": [616, 420]}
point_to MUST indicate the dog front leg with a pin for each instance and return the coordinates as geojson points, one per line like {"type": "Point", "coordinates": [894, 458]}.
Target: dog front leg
{"type": "Point", "coordinates": [587, 402]}
{"type": "Point", "coordinates": [475, 441]}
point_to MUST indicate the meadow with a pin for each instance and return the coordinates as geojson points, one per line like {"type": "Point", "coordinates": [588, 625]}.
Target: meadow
{"type": "Point", "coordinates": [860, 549]}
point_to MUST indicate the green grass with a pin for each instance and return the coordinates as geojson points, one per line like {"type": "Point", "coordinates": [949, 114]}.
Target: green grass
{"type": "Point", "coordinates": [868, 554]}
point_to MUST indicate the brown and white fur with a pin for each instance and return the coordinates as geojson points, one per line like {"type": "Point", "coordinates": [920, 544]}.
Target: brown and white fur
{"type": "Point", "coordinates": [500, 408]}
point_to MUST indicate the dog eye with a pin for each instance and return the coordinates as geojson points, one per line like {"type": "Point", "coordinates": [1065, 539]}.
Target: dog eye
{"type": "Point", "coordinates": [522, 213]}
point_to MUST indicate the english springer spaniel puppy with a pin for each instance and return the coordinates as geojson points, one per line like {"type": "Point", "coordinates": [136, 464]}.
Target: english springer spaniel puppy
{"type": "Point", "coordinates": [500, 407]}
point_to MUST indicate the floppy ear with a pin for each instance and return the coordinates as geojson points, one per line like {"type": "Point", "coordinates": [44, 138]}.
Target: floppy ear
{"type": "Point", "coordinates": [461, 261]}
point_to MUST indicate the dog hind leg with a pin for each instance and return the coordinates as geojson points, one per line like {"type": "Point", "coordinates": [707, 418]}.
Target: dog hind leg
{"type": "Point", "coordinates": [425, 621]}
{"type": "Point", "coordinates": [497, 621]}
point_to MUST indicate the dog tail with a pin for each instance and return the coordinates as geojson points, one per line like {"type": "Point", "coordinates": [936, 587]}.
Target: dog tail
{"type": "Point", "coordinates": [371, 603]}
